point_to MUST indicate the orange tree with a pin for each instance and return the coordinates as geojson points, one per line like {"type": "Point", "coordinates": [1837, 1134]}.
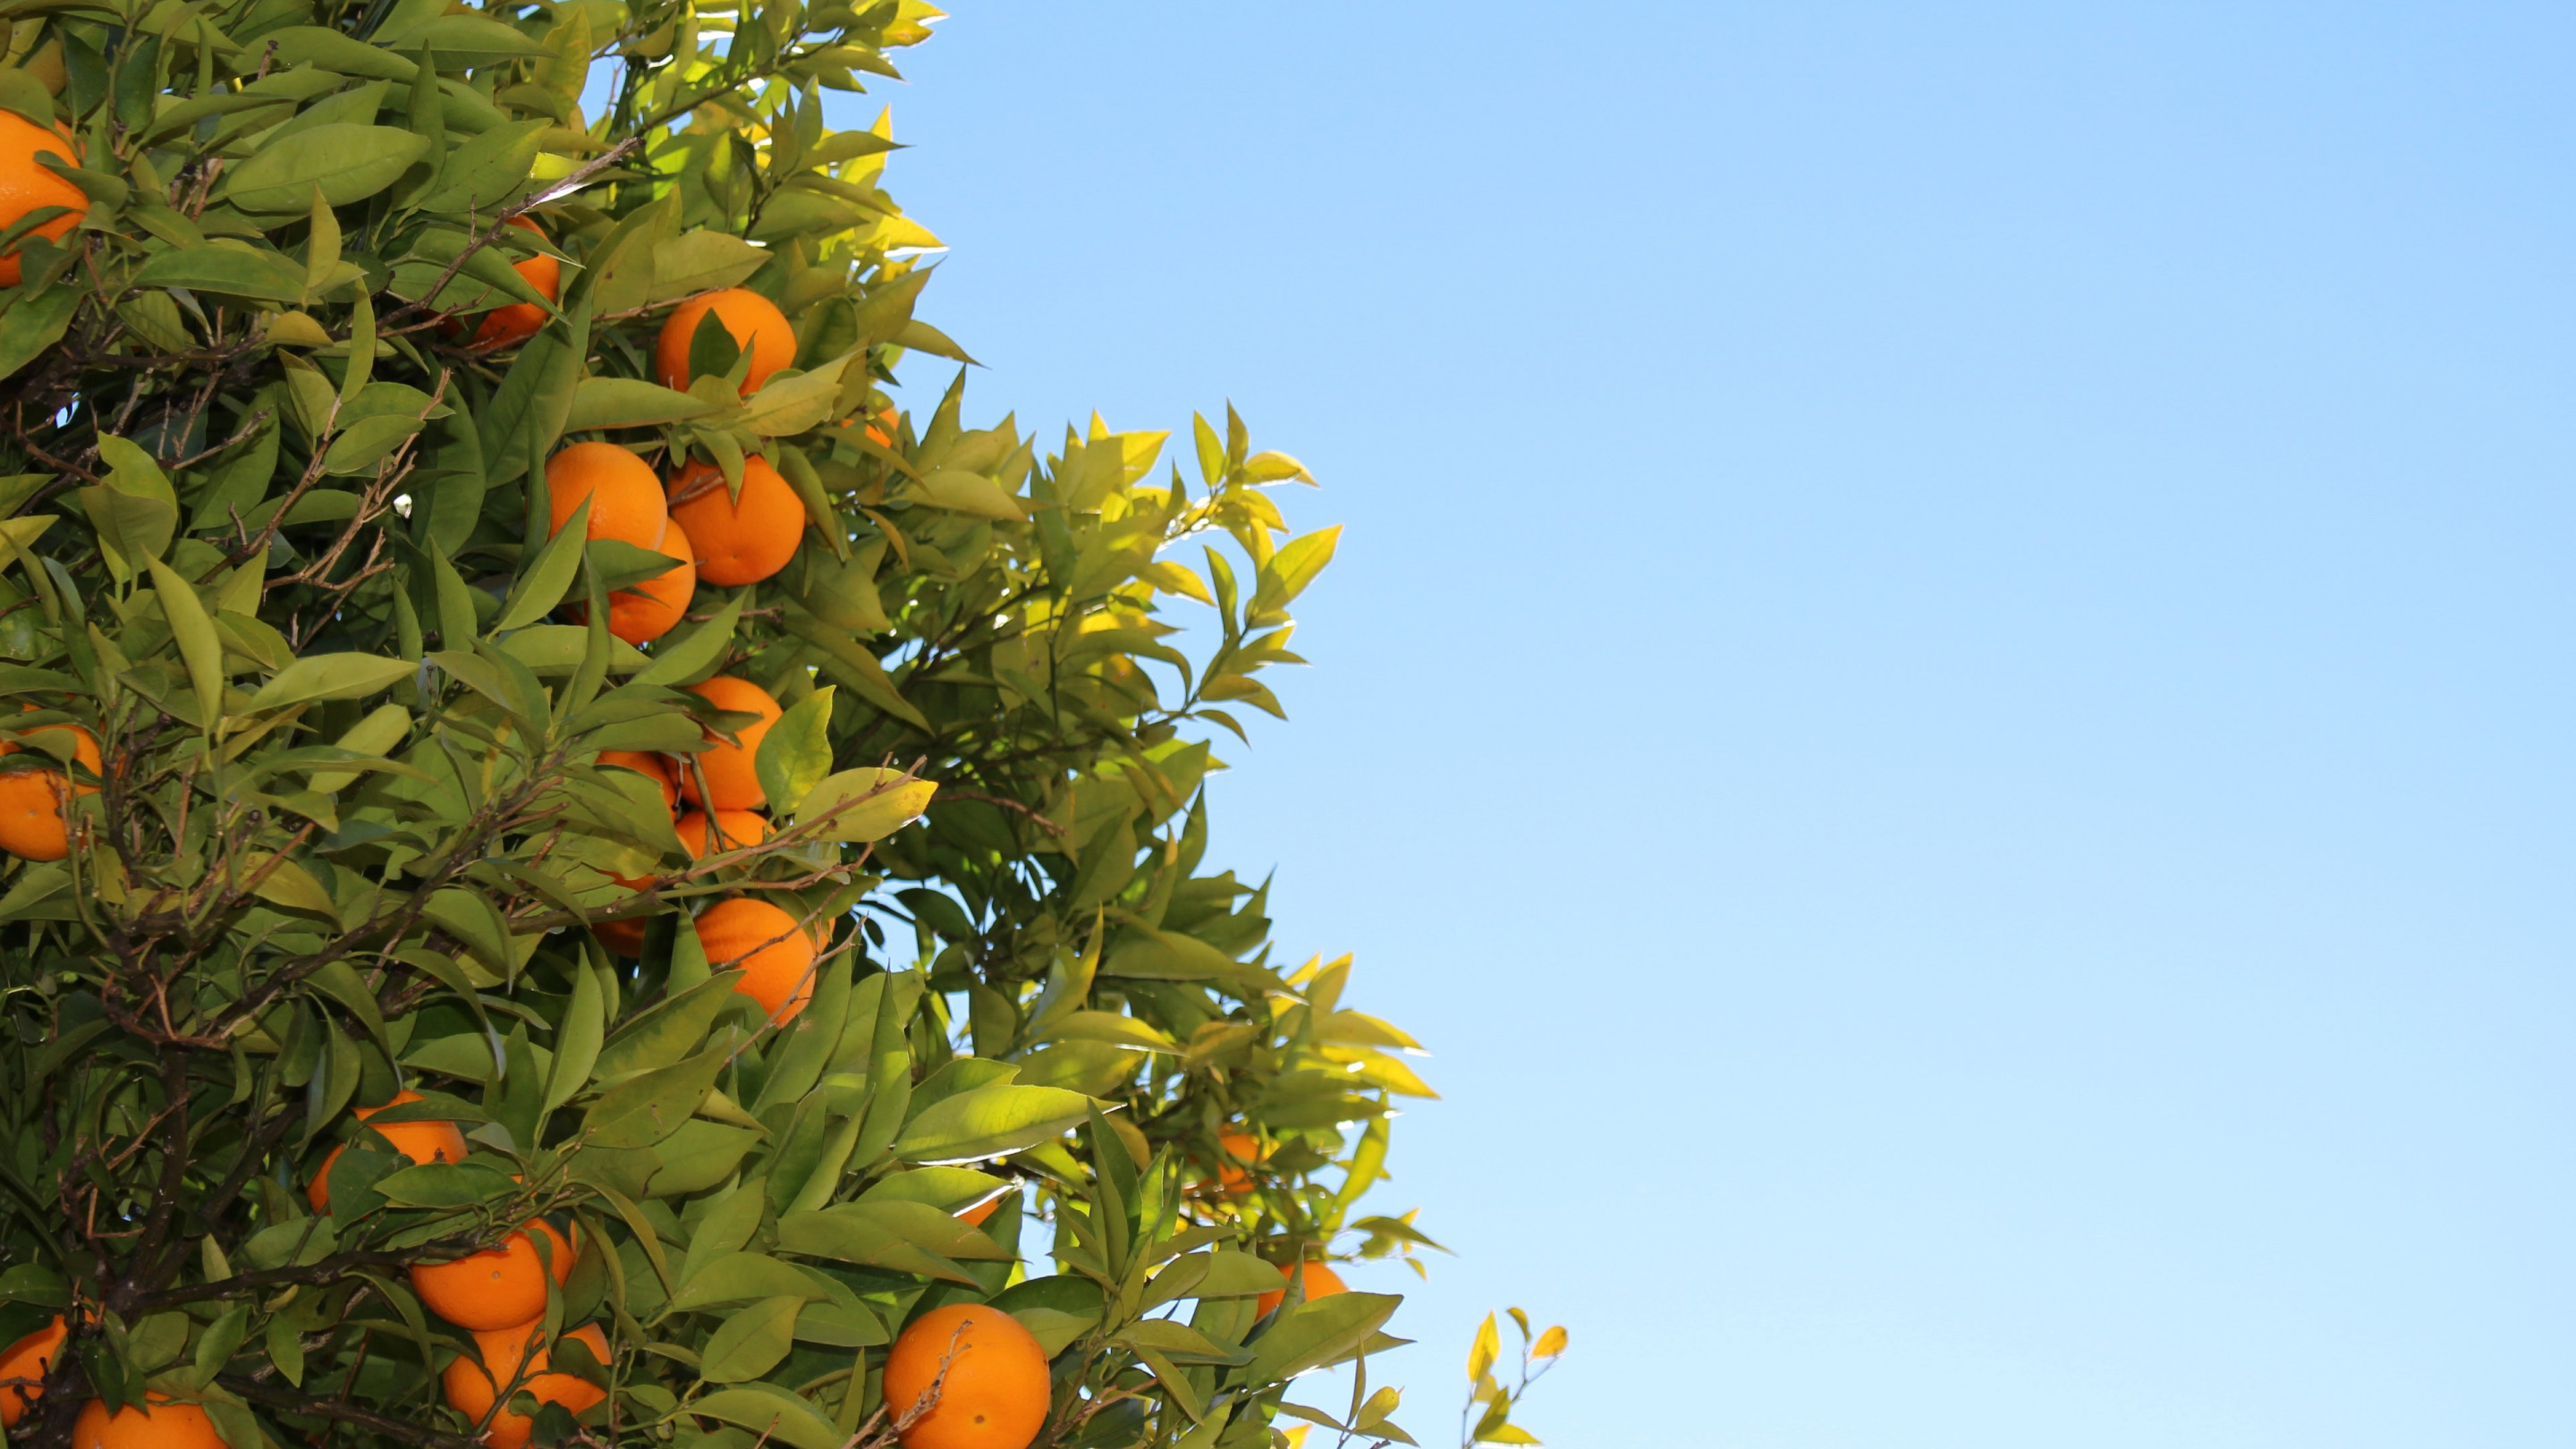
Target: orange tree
{"type": "Point", "coordinates": [574, 874]}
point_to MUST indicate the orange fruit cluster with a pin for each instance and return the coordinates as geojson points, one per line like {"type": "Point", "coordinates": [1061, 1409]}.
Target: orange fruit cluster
{"type": "Point", "coordinates": [515, 1355]}
{"type": "Point", "coordinates": [967, 1376]}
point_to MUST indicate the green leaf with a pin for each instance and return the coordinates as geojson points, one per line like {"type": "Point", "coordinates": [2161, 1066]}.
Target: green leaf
{"type": "Point", "coordinates": [751, 1342]}
{"type": "Point", "coordinates": [863, 804]}
{"type": "Point", "coordinates": [990, 1121]}
{"type": "Point", "coordinates": [347, 162]}
{"type": "Point", "coordinates": [630, 402]}
{"type": "Point", "coordinates": [32, 327]}
{"type": "Point", "coordinates": [195, 632]}
{"type": "Point", "coordinates": [549, 577]}
{"type": "Point", "coordinates": [959, 491]}
{"type": "Point", "coordinates": [796, 754]}
{"type": "Point", "coordinates": [694, 655]}
{"type": "Point", "coordinates": [790, 1421]}
{"type": "Point", "coordinates": [577, 1039]}
{"type": "Point", "coordinates": [670, 1030]}
{"type": "Point", "coordinates": [649, 1106]}
{"type": "Point", "coordinates": [486, 169]}
{"type": "Point", "coordinates": [215, 267]}
{"type": "Point", "coordinates": [445, 1185]}
{"type": "Point", "coordinates": [1317, 1332]}
{"type": "Point", "coordinates": [702, 261]}
{"type": "Point", "coordinates": [330, 676]}
{"type": "Point", "coordinates": [741, 1277]}
{"type": "Point", "coordinates": [788, 405]}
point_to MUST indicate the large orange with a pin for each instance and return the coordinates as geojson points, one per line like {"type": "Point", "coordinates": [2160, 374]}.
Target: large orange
{"type": "Point", "coordinates": [561, 1249]}
{"type": "Point", "coordinates": [731, 780]}
{"type": "Point", "coordinates": [776, 958]}
{"type": "Point", "coordinates": [1321, 1282]}
{"type": "Point", "coordinates": [33, 802]}
{"type": "Point", "coordinates": [419, 1141]}
{"type": "Point", "coordinates": [740, 540]}
{"type": "Point", "coordinates": [755, 322]}
{"type": "Point", "coordinates": [968, 1376]}
{"type": "Point", "coordinates": [472, 1388]}
{"type": "Point", "coordinates": [644, 612]}
{"type": "Point", "coordinates": [519, 321]}
{"type": "Point", "coordinates": [625, 497]}
{"type": "Point", "coordinates": [656, 768]}
{"type": "Point", "coordinates": [31, 1357]}
{"type": "Point", "coordinates": [26, 186]}
{"type": "Point", "coordinates": [494, 1288]}
{"type": "Point", "coordinates": [730, 830]}
{"type": "Point", "coordinates": [160, 1424]}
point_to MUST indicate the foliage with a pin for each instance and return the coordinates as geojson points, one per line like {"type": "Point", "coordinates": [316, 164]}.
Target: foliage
{"type": "Point", "coordinates": [275, 532]}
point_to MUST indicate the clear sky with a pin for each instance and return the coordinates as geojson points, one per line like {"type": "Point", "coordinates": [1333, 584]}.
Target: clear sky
{"type": "Point", "coordinates": [1947, 693]}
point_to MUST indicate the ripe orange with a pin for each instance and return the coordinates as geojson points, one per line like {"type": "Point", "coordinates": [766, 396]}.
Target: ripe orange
{"type": "Point", "coordinates": [419, 1141]}
{"type": "Point", "coordinates": [881, 432]}
{"type": "Point", "coordinates": [758, 328]}
{"type": "Point", "coordinates": [647, 611]}
{"type": "Point", "coordinates": [160, 1424]}
{"type": "Point", "coordinates": [974, 1217]}
{"type": "Point", "coordinates": [491, 1289]}
{"type": "Point", "coordinates": [740, 541]}
{"type": "Point", "coordinates": [561, 1249]}
{"type": "Point", "coordinates": [519, 321]}
{"type": "Point", "coordinates": [33, 803]}
{"type": "Point", "coordinates": [1321, 1282]}
{"type": "Point", "coordinates": [625, 497]}
{"type": "Point", "coordinates": [31, 1357]}
{"type": "Point", "coordinates": [776, 958]}
{"type": "Point", "coordinates": [1234, 1175]}
{"type": "Point", "coordinates": [731, 780]}
{"type": "Point", "coordinates": [969, 1377]}
{"type": "Point", "coordinates": [731, 830]}
{"type": "Point", "coordinates": [472, 1387]}
{"type": "Point", "coordinates": [26, 186]}
{"type": "Point", "coordinates": [655, 768]}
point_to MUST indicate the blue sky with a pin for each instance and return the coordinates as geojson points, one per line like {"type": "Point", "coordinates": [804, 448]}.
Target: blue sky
{"type": "Point", "coordinates": [1946, 694]}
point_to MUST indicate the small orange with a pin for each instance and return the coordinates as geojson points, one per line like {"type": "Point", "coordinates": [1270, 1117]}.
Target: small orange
{"type": "Point", "coordinates": [655, 768]}
{"type": "Point", "coordinates": [26, 186]}
{"type": "Point", "coordinates": [473, 1388]}
{"type": "Point", "coordinates": [641, 613]}
{"type": "Point", "coordinates": [33, 803]}
{"type": "Point", "coordinates": [740, 540]}
{"type": "Point", "coordinates": [419, 1141]}
{"type": "Point", "coordinates": [776, 958]}
{"type": "Point", "coordinates": [974, 1217]}
{"type": "Point", "coordinates": [159, 1424]}
{"type": "Point", "coordinates": [519, 321]}
{"type": "Point", "coordinates": [1321, 1282]}
{"type": "Point", "coordinates": [1234, 1175]}
{"type": "Point", "coordinates": [881, 432]}
{"type": "Point", "coordinates": [494, 1288]}
{"type": "Point", "coordinates": [755, 322]}
{"type": "Point", "coordinates": [624, 935]}
{"type": "Point", "coordinates": [625, 497]}
{"type": "Point", "coordinates": [731, 780]}
{"type": "Point", "coordinates": [731, 830]}
{"type": "Point", "coordinates": [967, 1376]}
{"type": "Point", "coordinates": [30, 1358]}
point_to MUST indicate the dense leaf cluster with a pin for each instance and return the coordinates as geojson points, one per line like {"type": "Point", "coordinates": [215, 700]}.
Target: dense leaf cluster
{"type": "Point", "coordinates": [274, 533]}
